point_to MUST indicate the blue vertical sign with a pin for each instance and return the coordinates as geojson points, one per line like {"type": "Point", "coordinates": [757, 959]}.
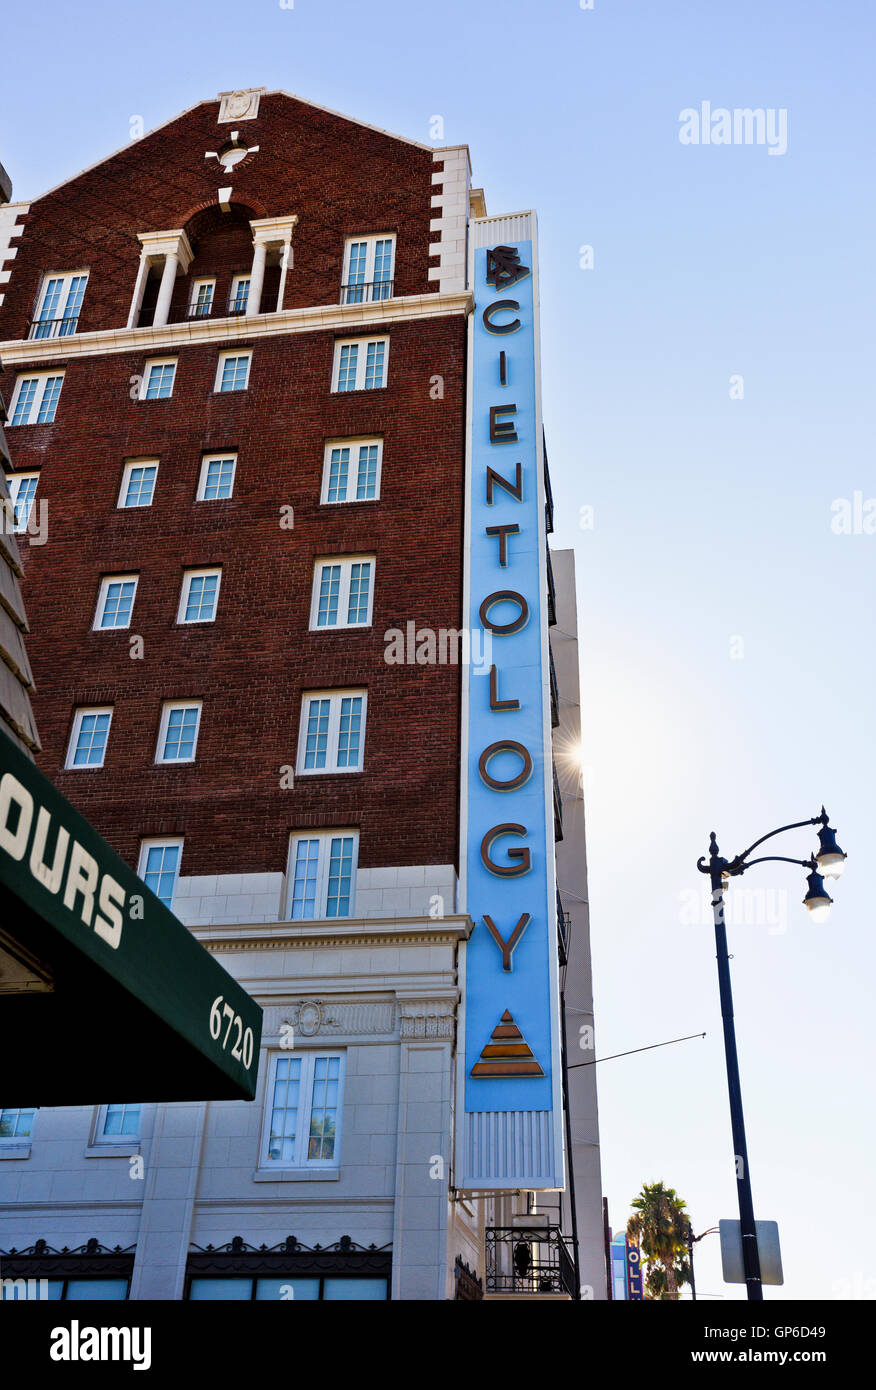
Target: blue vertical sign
{"type": "Point", "coordinates": [511, 1004]}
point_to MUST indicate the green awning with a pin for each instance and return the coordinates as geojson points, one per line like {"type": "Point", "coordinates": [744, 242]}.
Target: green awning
{"type": "Point", "coordinates": [104, 994]}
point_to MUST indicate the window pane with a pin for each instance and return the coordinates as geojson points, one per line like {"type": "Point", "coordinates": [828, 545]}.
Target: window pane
{"type": "Point", "coordinates": [162, 863]}
{"type": "Point", "coordinates": [374, 365]}
{"type": "Point", "coordinates": [159, 383]}
{"type": "Point", "coordinates": [340, 876]}
{"type": "Point", "coordinates": [23, 490]}
{"type": "Point", "coordinates": [118, 600]}
{"type": "Point", "coordinates": [201, 598]}
{"type": "Point", "coordinates": [349, 1289]}
{"type": "Point", "coordinates": [49, 402]}
{"type": "Point", "coordinates": [141, 485]}
{"type": "Point", "coordinates": [339, 467]}
{"type": "Point", "coordinates": [347, 367]}
{"type": "Point", "coordinates": [16, 1123]}
{"type": "Point", "coordinates": [350, 731]}
{"type": "Point", "coordinates": [122, 1119]}
{"type": "Point", "coordinates": [329, 589]}
{"type": "Point", "coordinates": [26, 394]}
{"type": "Point", "coordinates": [323, 1111]}
{"type": "Point", "coordinates": [366, 485]}
{"type": "Point", "coordinates": [294, 1289]}
{"type": "Point", "coordinates": [180, 734]}
{"type": "Point", "coordinates": [304, 887]}
{"type": "Point", "coordinates": [219, 479]}
{"type": "Point", "coordinates": [316, 741]}
{"type": "Point", "coordinates": [382, 265]}
{"type": "Point", "coordinates": [207, 1289]}
{"type": "Point", "coordinates": [109, 1290]}
{"type": "Point", "coordinates": [360, 588]}
{"type": "Point", "coordinates": [284, 1109]}
{"type": "Point", "coordinates": [91, 740]}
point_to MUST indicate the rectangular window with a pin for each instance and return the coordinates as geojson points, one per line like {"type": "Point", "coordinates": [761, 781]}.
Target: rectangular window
{"type": "Point", "coordinates": [201, 302]}
{"type": "Point", "coordinates": [303, 1114]}
{"type": "Point", "coordinates": [22, 491]}
{"type": "Point", "coordinates": [217, 477]}
{"type": "Point", "coordinates": [115, 601]}
{"type": "Point", "coordinates": [158, 379]}
{"type": "Point", "coordinates": [159, 867]}
{"type": "Point", "coordinates": [369, 264]}
{"type": "Point", "coordinates": [360, 364]}
{"type": "Point", "coordinates": [301, 1288]}
{"type": "Point", "coordinates": [60, 302]}
{"type": "Point", "coordinates": [322, 874]}
{"type": "Point", "coordinates": [88, 738]}
{"type": "Point", "coordinates": [351, 470]}
{"type": "Point", "coordinates": [16, 1123]}
{"type": "Point", "coordinates": [118, 1121]}
{"type": "Point", "coordinates": [138, 483]}
{"type": "Point", "coordinates": [178, 733]}
{"type": "Point", "coordinates": [342, 592]}
{"type": "Point", "coordinates": [239, 296]}
{"type": "Point", "coordinates": [200, 594]}
{"type": "Point", "coordinates": [35, 399]}
{"type": "Point", "coordinates": [232, 374]}
{"type": "Point", "coordinates": [332, 732]}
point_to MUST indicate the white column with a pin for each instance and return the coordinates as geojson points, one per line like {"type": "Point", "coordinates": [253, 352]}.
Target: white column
{"type": "Point", "coordinates": [139, 291]}
{"type": "Point", "coordinates": [168, 279]}
{"type": "Point", "coordinates": [256, 278]}
{"type": "Point", "coordinates": [285, 263]}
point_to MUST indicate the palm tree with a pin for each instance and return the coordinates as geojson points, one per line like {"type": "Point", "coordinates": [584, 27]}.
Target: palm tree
{"type": "Point", "coordinates": [659, 1226]}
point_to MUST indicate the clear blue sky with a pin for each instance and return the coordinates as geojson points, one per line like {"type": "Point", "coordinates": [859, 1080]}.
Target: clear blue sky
{"type": "Point", "coordinates": [712, 515]}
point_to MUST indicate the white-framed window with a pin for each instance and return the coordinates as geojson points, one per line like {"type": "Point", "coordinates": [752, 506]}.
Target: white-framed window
{"type": "Point", "coordinates": [16, 1123]}
{"type": "Point", "coordinates": [159, 375]}
{"type": "Point", "coordinates": [59, 304]}
{"type": "Point", "coordinates": [115, 601]}
{"type": "Point", "coordinates": [158, 867]}
{"type": "Point", "coordinates": [232, 373]}
{"type": "Point", "coordinates": [22, 491]}
{"type": "Point", "coordinates": [117, 1122]}
{"type": "Point", "coordinates": [199, 595]}
{"type": "Point", "coordinates": [332, 732]}
{"type": "Point", "coordinates": [303, 1107]}
{"type": "Point", "coordinates": [89, 735]}
{"type": "Point", "coordinates": [239, 295]}
{"type": "Point", "coordinates": [343, 592]}
{"type": "Point", "coordinates": [201, 302]}
{"type": "Point", "coordinates": [322, 874]}
{"type": "Point", "coordinates": [138, 483]}
{"type": "Point", "coordinates": [360, 364]}
{"type": "Point", "coordinates": [216, 479]}
{"type": "Point", "coordinates": [369, 267]}
{"type": "Point", "coordinates": [351, 470]}
{"type": "Point", "coordinates": [35, 398]}
{"type": "Point", "coordinates": [178, 731]}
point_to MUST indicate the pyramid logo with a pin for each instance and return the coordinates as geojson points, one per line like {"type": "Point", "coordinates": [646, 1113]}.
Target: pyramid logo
{"type": "Point", "coordinates": [507, 1053]}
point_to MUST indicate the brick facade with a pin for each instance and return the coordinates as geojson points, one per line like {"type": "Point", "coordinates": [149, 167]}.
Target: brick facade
{"type": "Point", "coordinates": [251, 665]}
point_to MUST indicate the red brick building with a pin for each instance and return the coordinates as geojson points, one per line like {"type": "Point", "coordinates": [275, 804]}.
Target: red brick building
{"type": "Point", "coordinates": [235, 356]}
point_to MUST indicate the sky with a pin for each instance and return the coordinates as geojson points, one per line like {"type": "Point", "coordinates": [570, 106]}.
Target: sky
{"type": "Point", "coordinates": [708, 404]}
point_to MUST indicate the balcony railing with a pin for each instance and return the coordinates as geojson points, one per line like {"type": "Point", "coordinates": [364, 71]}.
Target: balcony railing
{"type": "Point", "coordinates": [528, 1260]}
{"type": "Point", "coordinates": [238, 304]}
{"type": "Point", "coordinates": [552, 594]}
{"type": "Point", "coordinates": [53, 328]}
{"type": "Point", "coordinates": [368, 292]}
{"type": "Point", "coordinates": [548, 491]}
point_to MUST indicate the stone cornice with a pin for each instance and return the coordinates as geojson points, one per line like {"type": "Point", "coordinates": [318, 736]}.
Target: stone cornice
{"type": "Point", "coordinates": [340, 934]}
{"type": "Point", "coordinates": [240, 328]}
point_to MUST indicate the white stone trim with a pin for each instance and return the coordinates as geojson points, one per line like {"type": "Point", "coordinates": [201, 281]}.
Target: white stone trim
{"type": "Point", "coordinates": [451, 226]}
{"type": "Point", "coordinates": [164, 340]}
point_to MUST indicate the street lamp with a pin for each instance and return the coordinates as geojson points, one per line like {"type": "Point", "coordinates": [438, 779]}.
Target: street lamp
{"type": "Point", "coordinates": [829, 862]}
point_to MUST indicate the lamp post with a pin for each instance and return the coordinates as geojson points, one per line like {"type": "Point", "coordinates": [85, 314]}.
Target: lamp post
{"type": "Point", "coordinates": [691, 1242]}
{"type": "Point", "coordinates": [828, 862]}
